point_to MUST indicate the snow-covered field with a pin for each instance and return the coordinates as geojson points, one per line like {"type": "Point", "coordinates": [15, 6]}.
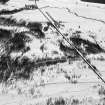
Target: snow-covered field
{"type": "Point", "coordinates": [42, 68]}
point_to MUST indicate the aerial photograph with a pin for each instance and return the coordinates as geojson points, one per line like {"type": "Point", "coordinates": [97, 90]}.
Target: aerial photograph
{"type": "Point", "coordinates": [52, 52]}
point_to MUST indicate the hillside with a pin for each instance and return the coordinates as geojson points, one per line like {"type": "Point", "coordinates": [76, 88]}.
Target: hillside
{"type": "Point", "coordinates": [38, 67]}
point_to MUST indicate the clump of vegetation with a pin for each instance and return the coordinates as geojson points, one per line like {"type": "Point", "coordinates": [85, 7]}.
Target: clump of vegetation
{"type": "Point", "coordinates": [18, 42]}
{"type": "Point", "coordinates": [10, 68]}
{"type": "Point", "coordinates": [11, 42]}
{"type": "Point", "coordinates": [56, 101]}
{"type": "Point", "coordinates": [37, 29]}
{"type": "Point", "coordinates": [14, 67]}
{"type": "Point", "coordinates": [86, 45]}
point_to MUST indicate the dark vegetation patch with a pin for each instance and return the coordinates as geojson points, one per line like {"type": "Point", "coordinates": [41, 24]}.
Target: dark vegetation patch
{"type": "Point", "coordinates": [95, 1]}
{"type": "Point", "coordinates": [4, 34]}
{"type": "Point", "coordinates": [37, 29]}
{"type": "Point", "coordinates": [3, 1]}
{"type": "Point", "coordinates": [84, 46]}
{"type": "Point", "coordinates": [56, 101]}
{"type": "Point", "coordinates": [30, 7]}
{"type": "Point", "coordinates": [18, 42]}
{"type": "Point", "coordinates": [90, 48]}
{"type": "Point", "coordinates": [63, 101]}
{"type": "Point", "coordinates": [9, 66]}
{"type": "Point", "coordinates": [13, 41]}
{"type": "Point", "coordinates": [49, 61]}
{"type": "Point", "coordinates": [15, 68]}
{"type": "Point", "coordinates": [7, 21]}
{"type": "Point", "coordinates": [75, 102]}
{"type": "Point", "coordinates": [21, 69]}
{"type": "Point", "coordinates": [102, 91]}
{"type": "Point", "coordinates": [68, 51]}
{"type": "Point", "coordinates": [4, 12]}
{"type": "Point", "coordinates": [11, 22]}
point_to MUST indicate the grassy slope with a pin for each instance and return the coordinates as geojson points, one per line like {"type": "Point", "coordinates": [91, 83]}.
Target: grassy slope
{"type": "Point", "coordinates": [49, 81]}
